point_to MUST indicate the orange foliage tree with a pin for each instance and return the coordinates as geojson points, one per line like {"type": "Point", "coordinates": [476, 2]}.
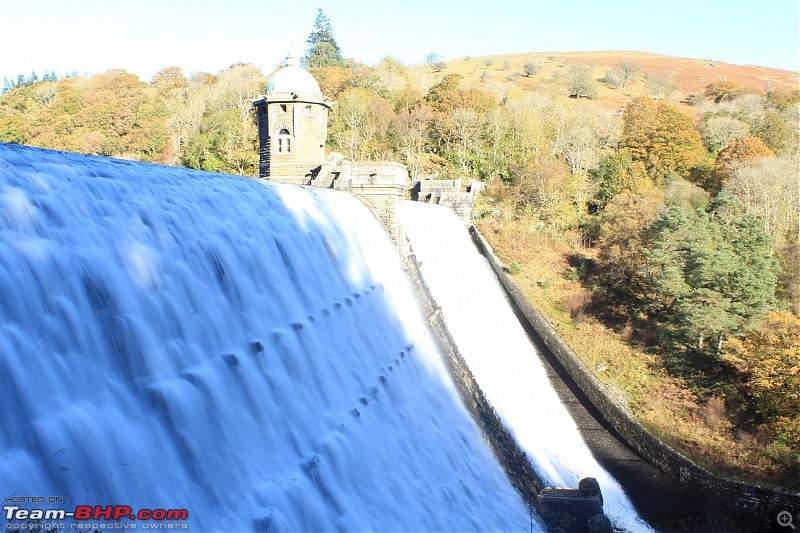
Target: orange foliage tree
{"type": "Point", "coordinates": [771, 357]}
{"type": "Point", "coordinates": [661, 136]}
{"type": "Point", "coordinates": [742, 150]}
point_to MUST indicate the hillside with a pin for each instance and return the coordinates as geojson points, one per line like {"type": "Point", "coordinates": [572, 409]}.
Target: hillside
{"type": "Point", "coordinates": [690, 76]}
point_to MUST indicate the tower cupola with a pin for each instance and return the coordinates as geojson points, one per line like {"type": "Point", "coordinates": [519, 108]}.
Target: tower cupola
{"type": "Point", "coordinates": [292, 124]}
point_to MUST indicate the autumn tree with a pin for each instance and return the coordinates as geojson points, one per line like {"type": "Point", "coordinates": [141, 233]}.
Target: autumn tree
{"type": "Point", "coordinates": [729, 158]}
{"type": "Point", "coordinates": [410, 127]}
{"type": "Point", "coordinates": [169, 78]}
{"type": "Point", "coordinates": [447, 96]}
{"type": "Point", "coordinates": [661, 136]}
{"type": "Point", "coordinates": [323, 51]}
{"type": "Point", "coordinates": [770, 358]}
{"type": "Point", "coordinates": [360, 123]}
{"type": "Point", "coordinates": [789, 278]}
{"type": "Point", "coordinates": [722, 91]}
{"type": "Point", "coordinates": [776, 131]}
{"type": "Point", "coordinates": [624, 291]}
{"type": "Point", "coordinates": [659, 86]}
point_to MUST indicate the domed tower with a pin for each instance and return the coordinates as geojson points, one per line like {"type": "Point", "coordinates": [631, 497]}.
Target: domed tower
{"type": "Point", "coordinates": [292, 125]}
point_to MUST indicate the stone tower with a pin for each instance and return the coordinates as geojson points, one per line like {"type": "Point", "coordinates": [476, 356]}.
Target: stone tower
{"type": "Point", "coordinates": [292, 125]}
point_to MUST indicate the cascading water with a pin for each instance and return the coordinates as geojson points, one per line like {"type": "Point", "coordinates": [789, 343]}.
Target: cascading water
{"type": "Point", "coordinates": [502, 358]}
{"type": "Point", "coordinates": [250, 352]}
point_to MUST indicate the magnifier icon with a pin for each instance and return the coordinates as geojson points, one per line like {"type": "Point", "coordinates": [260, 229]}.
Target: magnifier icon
{"type": "Point", "coordinates": [785, 519]}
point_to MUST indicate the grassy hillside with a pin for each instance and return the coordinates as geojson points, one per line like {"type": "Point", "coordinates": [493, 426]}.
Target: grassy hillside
{"type": "Point", "coordinates": [690, 76]}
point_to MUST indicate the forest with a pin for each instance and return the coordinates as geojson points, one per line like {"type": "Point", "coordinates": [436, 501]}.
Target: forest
{"type": "Point", "coordinates": [658, 228]}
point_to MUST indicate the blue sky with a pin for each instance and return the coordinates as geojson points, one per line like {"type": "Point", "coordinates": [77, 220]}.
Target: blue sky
{"type": "Point", "coordinates": [143, 36]}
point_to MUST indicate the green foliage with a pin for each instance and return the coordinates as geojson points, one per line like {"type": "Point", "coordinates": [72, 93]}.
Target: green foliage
{"type": "Point", "coordinates": [783, 100]}
{"type": "Point", "coordinates": [514, 268]}
{"type": "Point", "coordinates": [616, 173]}
{"type": "Point", "coordinates": [323, 51]}
{"type": "Point", "coordinates": [712, 273]}
{"type": "Point", "coordinates": [702, 273]}
{"type": "Point", "coordinates": [27, 81]}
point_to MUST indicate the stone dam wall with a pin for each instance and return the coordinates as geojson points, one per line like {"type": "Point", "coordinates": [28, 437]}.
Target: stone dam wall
{"type": "Point", "coordinates": [732, 505]}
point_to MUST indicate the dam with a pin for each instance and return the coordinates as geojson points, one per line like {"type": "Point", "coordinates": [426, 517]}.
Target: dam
{"type": "Point", "coordinates": [250, 352]}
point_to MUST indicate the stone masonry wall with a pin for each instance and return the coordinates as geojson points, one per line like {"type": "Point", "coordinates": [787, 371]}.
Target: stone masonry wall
{"type": "Point", "coordinates": [733, 505]}
{"type": "Point", "coordinates": [382, 186]}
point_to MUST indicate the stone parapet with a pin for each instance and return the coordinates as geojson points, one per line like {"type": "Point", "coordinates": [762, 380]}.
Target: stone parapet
{"type": "Point", "coordinates": [382, 186]}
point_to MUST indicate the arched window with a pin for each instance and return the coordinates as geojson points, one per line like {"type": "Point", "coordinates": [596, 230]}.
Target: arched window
{"type": "Point", "coordinates": [284, 142]}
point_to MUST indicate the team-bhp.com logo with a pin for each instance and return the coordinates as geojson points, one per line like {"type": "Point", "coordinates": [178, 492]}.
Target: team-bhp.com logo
{"type": "Point", "coordinates": [90, 517]}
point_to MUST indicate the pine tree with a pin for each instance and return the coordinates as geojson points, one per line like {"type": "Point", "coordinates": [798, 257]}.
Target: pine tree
{"type": "Point", "coordinates": [323, 50]}
{"type": "Point", "coordinates": [712, 274]}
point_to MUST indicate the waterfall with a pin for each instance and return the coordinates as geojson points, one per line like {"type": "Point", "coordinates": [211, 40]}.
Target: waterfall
{"type": "Point", "coordinates": [247, 351]}
{"type": "Point", "coordinates": [503, 360]}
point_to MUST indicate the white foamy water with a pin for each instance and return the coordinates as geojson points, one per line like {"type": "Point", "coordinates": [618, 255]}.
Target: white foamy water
{"type": "Point", "coordinates": [502, 358]}
{"type": "Point", "coordinates": [250, 352]}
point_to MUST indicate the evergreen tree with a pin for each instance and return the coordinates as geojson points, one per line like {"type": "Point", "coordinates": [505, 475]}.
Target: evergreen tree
{"type": "Point", "coordinates": [323, 50]}
{"type": "Point", "coordinates": [712, 273]}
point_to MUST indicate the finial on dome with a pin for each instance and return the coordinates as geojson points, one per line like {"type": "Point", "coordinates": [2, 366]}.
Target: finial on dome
{"type": "Point", "coordinates": [293, 78]}
{"type": "Point", "coordinates": [293, 59]}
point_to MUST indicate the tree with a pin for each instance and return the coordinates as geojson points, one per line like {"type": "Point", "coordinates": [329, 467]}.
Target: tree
{"type": "Point", "coordinates": [627, 71]}
{"type": "Point", "coordinates": [719, 132]}
{"type": "Point", "coordinates": [439, 66]}
{"type": "Point", "coordinates": [659, 86]}
{"type": "Point", "coordinates": [169, 78]}
{"type": "Point", "coordinates": [323, 50]}
{"type": "Point", "coordinates": [722, 91]}
{"type": "Point", "coordinates": [789, 278]}
{"type": "Point", "coordinates": [431, 58]}
{"type": "Point", "coordinates": [530, 69]}
{"type": "Point", "coordinates": [768, 188]}
{"type": "Point", "coordinates": [360, 123]}
{"type": "Point", "coordinates": [579, 82]}
{"type": "Point", "coordinates": [712, 272]}
{"type": "Point", "coordinates": [410, 126]}
{"type": "Point", "coordinates": [774, 131]}
{"type": "Point", "coordinates": [661, 136]}
{"type": "Point", "coordinates": [729, 158]}
{"type": "Point", "coordinates": [624, 289]}
{"type": "Point", "coordinates": [771, 357]}
{"type": "Point", "coordinates": [446, 96]}
{"type": "Point", "coordinates": [617, 173]}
